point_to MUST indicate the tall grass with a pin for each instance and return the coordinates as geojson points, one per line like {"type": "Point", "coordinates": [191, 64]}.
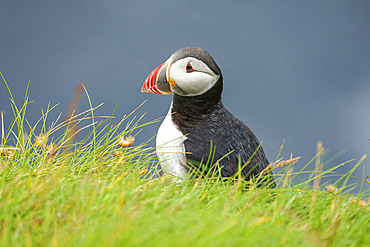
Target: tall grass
{"type": "Point", "coordinates": [57, 191]}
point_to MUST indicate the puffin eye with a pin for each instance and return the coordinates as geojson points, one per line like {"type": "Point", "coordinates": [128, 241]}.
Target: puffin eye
{"type": "Point", "coordinates": [189, 68]}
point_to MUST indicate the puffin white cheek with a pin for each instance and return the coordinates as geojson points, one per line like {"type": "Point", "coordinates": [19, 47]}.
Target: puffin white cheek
{"type": "Point", "coordinates": [195, 83]}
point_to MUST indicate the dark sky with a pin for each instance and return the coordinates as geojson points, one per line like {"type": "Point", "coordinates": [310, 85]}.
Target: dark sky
{"type": "Point", "coordinates": [297, 71]}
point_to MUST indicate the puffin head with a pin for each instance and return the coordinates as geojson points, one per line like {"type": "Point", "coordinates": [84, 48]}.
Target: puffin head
{"type": "Point", "coordinates": [190, 71]}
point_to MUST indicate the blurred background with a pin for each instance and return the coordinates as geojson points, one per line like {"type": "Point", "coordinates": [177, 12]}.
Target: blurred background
{"type": "Point", "coordinates": [297, 71]}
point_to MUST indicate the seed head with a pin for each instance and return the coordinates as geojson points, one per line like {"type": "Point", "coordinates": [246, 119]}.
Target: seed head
{"type": "Point", "coordinates": [362, 203]}
{"type": "Point", "coordinates": [52, 149]}
{"type": "Point", "coordinates": [143, 172]}
{"type": "Point", "coordinates": [126, 142]}
{"type": "Point", "coordinates": [332, 189]}
{"type": "Point", "coordinates": [117, 153]}
{"type": "Point", "coordinates": [7, 152]}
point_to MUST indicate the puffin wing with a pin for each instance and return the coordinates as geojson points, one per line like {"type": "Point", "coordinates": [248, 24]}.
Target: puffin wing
{"type": "Point", "coordinates": [229, 136]}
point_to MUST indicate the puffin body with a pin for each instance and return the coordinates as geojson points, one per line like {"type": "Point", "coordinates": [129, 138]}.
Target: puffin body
{"type": "Point", "coordinates": [198, 128]}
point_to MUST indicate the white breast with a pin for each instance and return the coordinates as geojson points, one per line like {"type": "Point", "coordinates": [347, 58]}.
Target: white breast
{"type": "Point", "coordinates": [171, 148]}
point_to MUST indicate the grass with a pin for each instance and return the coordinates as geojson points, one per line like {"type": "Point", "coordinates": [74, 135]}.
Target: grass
{"type": "Point", "coordinates": [97, 192]}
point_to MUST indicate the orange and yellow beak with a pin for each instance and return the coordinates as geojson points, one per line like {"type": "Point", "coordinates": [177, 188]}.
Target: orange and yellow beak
{"type": "Point", "coordinates": [159, 81]}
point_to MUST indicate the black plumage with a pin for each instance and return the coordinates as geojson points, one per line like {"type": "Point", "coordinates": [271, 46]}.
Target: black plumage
{"type": "Point", "coordinates": [203, 119]}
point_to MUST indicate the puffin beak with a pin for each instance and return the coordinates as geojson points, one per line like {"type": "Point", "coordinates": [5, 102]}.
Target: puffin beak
{"type": "Point", "coordinates": [159, 81]}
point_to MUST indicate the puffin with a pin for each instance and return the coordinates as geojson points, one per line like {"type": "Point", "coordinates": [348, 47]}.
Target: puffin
{"type": "Point", "coordinates": [198, 130]}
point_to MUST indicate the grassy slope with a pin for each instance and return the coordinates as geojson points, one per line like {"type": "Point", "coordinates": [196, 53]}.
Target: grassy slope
{"type": "Point", "coordinates": [93, 194]}
{"type": "Point", "coordinates": [100, 208]}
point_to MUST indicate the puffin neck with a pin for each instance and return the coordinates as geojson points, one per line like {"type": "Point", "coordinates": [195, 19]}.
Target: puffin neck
{"type": "Point", "coordinates": [195, 107]}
